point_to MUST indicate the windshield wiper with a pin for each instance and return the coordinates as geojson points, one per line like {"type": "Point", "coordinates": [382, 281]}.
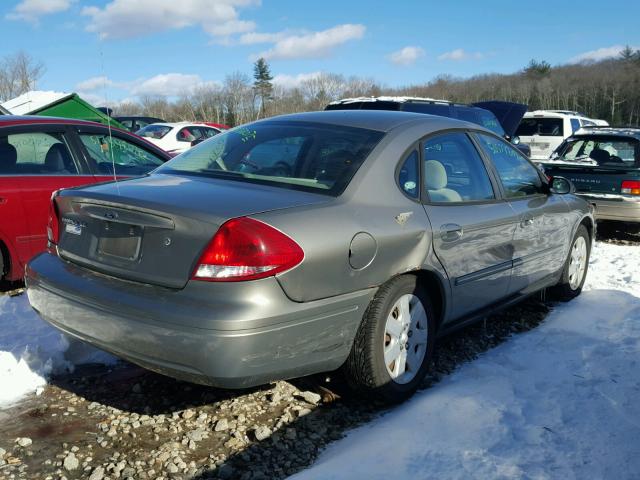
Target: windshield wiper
{"type": "Point", "coordinates": [222, 173]}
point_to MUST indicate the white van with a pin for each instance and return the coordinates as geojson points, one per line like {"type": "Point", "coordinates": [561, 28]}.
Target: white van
{"type": "Point", "coordinates": [545, 130]}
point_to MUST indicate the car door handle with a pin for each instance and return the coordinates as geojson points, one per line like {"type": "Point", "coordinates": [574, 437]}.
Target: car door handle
{"type": "Point", "coordinates": [451, 232]}
{"type": "Point", "coordinates": [526, 221]}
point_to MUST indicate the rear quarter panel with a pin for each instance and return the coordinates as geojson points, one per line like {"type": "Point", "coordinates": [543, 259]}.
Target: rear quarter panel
{"type": "Point", "coordinates": [372, 204]}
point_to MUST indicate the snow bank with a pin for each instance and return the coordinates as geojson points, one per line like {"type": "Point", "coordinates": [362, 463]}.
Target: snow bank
{"type": "Point", "coordinates": [560, 401]}
{"type": "Point", "coordinates": [31, 350]}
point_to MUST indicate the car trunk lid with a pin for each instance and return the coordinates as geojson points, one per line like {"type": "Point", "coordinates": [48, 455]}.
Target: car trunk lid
{"type": "Point", "coordinates": [153, 229]}
{"type": "Point", "coordinates": [592, 179]}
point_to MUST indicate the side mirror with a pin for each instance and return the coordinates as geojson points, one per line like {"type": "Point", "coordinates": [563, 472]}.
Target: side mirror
{"type": "Point", "coordinates": [561, 186]}
{"type": "Point", "coordinates": [515, 140]}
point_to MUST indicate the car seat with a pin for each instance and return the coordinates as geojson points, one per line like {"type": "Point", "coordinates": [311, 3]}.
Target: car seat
{"type": "Point", "coordinates": [8, 158]}
{"type": "Point", "coordinates": [600, 156]}
{"type": "Point", "coordinates": [436, 182]}
{"type": "Point", "coordinates": [58, 160]}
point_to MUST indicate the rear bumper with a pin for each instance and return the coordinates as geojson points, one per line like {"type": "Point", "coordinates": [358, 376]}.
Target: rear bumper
{"type": "Point", "coordinates": [616, 207]}
{"type": "Point", "coordinates": [231, 335]}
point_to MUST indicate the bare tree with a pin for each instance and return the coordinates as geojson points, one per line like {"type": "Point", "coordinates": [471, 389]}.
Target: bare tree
{"type": "Point", "coordinates": [19, 73]}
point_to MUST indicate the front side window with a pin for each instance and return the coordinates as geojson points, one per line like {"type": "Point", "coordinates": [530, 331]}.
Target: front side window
{"type": "Point", "coordinates": [518, 176]}
{"type": "Point", "coordinates": [312, 157]}
{"type": "Point", "coordinates": [544, 127]}
{"type": "Point", "coordinates": [36, 154]}
{"type": "Point", "coordinates": [454, 171]}
{"type": "Point", "coordinates": [113, 153]}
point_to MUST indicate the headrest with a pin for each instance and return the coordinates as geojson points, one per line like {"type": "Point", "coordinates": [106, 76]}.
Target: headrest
{"type": "Point", "coordinates": [8, 157]}
{"type": "Point", "coordinates": [435, 175]}
{"type": "Point", "coordinates": [57, 158]}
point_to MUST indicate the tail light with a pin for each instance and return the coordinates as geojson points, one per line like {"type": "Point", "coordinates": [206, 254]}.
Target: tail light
{"type": "Point", "coordinates": [53, 223]}
{"type": "Point", "coordinates": [631, 187]}
{"type": "Point", "coordinates": [247, 249]}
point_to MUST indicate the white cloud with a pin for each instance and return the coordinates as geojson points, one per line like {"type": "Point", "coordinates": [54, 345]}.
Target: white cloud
{"type": "Point", "coordinates": [459, 54]}
{"type": "Point", "coordinates": [126, 18]}
{"type": "Point", "coordinates": [599, 54]}
{"type": "Point", "coordinates": [94, 83]}
{"type": "Point", "coordinates": [293, 81]}
{"type": "Point", "coordinates": [406, 56]}
{"type": "Point", "coordinates": [313, 44]}
{"type": "Point", "coordinates": [255, 37]}
{"type": "Point", "coordinates": [169, 85]}
{"type": "Point", "coordinates": [32, 10]}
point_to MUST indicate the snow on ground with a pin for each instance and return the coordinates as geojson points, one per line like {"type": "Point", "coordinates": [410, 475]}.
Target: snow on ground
{"type": "Point", "coordinates": [561, 401]}
{"type": "Point", "coordinates": [31, 350]}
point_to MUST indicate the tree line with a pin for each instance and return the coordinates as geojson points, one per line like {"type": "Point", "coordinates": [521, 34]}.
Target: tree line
{"type": "Point", "coordinates": [608, 89]}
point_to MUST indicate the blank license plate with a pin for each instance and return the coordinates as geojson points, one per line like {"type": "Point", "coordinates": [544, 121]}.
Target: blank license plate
{"type": "Point", "coordinates": [122, 241]}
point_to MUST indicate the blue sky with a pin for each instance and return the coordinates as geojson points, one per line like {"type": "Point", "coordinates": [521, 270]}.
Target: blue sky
{"type": "Point", "coordinates": [124, 48]}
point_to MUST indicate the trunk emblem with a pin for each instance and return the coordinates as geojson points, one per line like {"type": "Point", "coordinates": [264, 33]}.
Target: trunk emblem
{"type": "Point", "coordinates": [167, 241]}
{"type": "Point", "coordinates": [111, 215]}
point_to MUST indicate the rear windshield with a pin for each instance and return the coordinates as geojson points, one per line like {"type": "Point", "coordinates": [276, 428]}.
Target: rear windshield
{"type": "Point", "coordinates": [154, 131]}
{"type": "Point", "coordinates": [545, 127]}
{"type": "Point", "coordinates": [300, 156]}
{"type": "Point", "coordinates": [607, 151]}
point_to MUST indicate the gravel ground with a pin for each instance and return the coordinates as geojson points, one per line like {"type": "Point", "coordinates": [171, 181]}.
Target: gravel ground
{"type": "Point", "coordinates": [125, 422]}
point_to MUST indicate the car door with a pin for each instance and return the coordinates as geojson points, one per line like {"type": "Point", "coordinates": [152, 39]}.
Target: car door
{"type": "Point", "coordinates": [541, 223]}
{"type": "Point", "coordinates": [114, 154]}
{"type": "Point", "coordinates": [45, 162]}
{"type": "Point", "coordinates": [14, 229]}
{"type": "Point", "coordinates": [472, 226]}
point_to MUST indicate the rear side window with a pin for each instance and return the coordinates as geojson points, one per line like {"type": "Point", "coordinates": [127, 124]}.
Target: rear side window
{"type": "Point", "coordinates": [440, 109]}
{"type": "Point", "coordinates": [575, 124]}
{"type": "Point", "coordinates": [454, 171]}
{"type": "Point", "coordinates": [125, 157]}
{"type": "Point", "coordinates": [545, 127]}
{"type": "Point", "coordinates": [36, 153]}
{"type": "Point", "coordinates": [518, 176]}
{"type": "Point", "coordinates": [409, 175]}
{"type": "Point", "coordinates": [313, 157]}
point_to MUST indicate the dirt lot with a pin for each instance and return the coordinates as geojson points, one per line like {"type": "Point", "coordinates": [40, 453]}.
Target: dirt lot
{"type": "Point", "coordinates": [124, 422]}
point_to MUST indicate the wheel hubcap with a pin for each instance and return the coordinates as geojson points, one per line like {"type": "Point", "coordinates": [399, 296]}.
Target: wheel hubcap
{"type": "Point", "coordinates": [577, 263]}
{"type": "Point", "coordinates": [405, 338]}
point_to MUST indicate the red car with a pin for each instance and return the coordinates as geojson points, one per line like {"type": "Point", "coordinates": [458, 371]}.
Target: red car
{"type": "Point", "coordinates": [39, 155]}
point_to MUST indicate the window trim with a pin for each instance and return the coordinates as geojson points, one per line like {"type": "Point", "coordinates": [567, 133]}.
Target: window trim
{"type": "Point", "coordinates": [543, 179]}
{"type": "Point", "coordinates": [424, 196]}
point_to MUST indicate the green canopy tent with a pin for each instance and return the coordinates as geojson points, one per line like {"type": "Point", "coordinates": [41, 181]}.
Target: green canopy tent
{"type": "Point", "coordinates": [54, 104]}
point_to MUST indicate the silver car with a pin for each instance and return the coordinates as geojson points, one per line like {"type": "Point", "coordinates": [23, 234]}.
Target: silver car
{"type": "Point", "coordinates": [386, 231]}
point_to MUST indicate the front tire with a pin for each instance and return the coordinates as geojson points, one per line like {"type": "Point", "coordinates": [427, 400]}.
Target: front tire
{"type": "Point", "coordinates": [394, 343]}
{"type": "Point", "coordinates": [575, 267]}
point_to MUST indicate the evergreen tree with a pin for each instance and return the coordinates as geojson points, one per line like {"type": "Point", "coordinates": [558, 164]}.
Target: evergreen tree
{"type": "Point", "coordinates": [537, 68]}
{"type": "Point", "coordinates": [627, 54]}
{"type": "Point", "coordinates": [262, 85]}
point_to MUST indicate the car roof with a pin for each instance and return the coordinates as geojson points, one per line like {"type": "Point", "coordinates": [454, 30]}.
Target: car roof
{"type": "Point", "coordinates": [389, 98]}
{"type": "Point", "coordinates": [608, 131]}
{"type": "Point", "coordinates": [6, 120]}
{"type": "Point", "coordinates": [380, 120]}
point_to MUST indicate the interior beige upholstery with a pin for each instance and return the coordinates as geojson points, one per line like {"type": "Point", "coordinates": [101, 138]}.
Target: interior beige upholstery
{"type": "Point", "coordinates": [436, 181]}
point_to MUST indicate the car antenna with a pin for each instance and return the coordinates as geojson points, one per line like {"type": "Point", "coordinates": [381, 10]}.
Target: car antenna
{"type": "Point", "coordinates": [106, 100]}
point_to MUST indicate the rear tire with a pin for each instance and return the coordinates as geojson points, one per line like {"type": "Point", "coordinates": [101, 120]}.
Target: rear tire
{"type": "Point", "coordinates": [394, 343]}
{"type": "Point", "coordinates": [575, 268]}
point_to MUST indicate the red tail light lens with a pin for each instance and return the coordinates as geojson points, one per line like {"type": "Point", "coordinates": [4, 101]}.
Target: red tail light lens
{"type": "Point", "coordinates": [53, 223]}
{"type": "Point", "coordinates": [631, 187]}
{"type": "Point", "coordinates": [247, 249]}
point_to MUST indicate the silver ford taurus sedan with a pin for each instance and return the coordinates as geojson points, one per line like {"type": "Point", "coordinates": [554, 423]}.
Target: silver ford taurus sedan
{"type": "Point", "coordinates": [305, 243]}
